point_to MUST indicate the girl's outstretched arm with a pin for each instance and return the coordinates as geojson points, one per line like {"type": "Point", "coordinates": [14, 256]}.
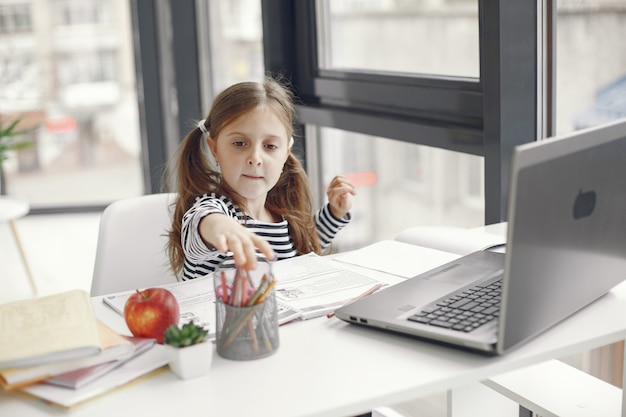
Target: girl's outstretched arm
{"type": "Point", "coordinates": [225, 234]}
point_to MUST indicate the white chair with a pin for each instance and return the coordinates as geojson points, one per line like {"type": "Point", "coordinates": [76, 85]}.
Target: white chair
{"type": "Point", "coordinates": [131, 251]}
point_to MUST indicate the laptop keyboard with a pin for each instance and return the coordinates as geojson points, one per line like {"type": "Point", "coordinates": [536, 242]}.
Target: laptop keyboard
{"type": "Point", "coordinates": [464, 311]}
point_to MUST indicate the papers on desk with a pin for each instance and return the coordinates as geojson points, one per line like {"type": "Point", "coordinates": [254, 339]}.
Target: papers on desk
{"type": "Point", "coordinates": [317, 285]}
{"type": "Point", "coordinates": [419, 249]}
{"type": "Point", "coordinates": [143, 366]}
{"type": "Point", "coordinates": [307, 286]}
{"type": "Point", "coordinates": [450, 239]}
{"type": "Point", "coordinates": [195, 298]}
{"type": "Point", "coordinates": [80, 377]}
{"type": "Point", "coordinates": [397, 258]}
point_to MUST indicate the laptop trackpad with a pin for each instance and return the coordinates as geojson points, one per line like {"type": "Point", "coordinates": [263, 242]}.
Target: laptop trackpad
{"type": "Point", "coordinates": [459, 273]}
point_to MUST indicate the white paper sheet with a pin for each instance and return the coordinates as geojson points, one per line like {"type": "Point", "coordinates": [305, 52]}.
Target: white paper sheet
{"type": "Point", "coordinates": [397, 258]}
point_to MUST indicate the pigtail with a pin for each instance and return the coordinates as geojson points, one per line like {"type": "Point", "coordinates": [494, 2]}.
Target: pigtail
{"type": "Point", "coordinates": [195, 177]}
{"type": "Point", "coordinates": [292, 199]}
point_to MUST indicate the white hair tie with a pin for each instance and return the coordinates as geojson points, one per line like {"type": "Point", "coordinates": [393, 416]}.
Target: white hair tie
{"type": "Point", "coordinates": [202, 127]}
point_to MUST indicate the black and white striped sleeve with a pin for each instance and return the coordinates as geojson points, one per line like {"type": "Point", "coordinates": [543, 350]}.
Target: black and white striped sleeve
{"type": "Point", "coordinates": [328, 225]}
{"type": "Point", "coordinates": [196, 251]}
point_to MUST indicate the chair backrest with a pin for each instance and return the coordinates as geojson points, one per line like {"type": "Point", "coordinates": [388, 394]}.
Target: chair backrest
{"type": "Point", "coordinates": [131, 251]}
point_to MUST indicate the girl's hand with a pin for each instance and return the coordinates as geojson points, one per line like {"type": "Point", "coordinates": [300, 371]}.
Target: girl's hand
{"type": "Point", "coordinates": [225, 234]}
{"type": "Point", "coordinates": [340, 192]}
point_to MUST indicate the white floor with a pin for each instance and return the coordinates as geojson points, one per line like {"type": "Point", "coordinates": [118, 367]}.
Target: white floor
{"type": "Point", "coordinates": [60, 249]}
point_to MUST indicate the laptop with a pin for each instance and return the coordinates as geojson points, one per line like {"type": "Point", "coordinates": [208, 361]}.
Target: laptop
{"type": "Point", "coordinates": [566, 247]}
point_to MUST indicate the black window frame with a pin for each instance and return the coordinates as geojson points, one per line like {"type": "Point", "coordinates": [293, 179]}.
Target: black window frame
{"type": "Point", "coordinates": [168, 81]}
{"type": "Point", "coordinates": [487, 116]}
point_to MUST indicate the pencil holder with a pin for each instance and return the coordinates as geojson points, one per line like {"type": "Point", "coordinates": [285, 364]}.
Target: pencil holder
{"type": "Point", "coordinates": [246, 312]}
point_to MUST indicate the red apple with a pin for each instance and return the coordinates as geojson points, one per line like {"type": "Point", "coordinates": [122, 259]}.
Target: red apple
{"type": "Point", "coordinates": [149, 312]}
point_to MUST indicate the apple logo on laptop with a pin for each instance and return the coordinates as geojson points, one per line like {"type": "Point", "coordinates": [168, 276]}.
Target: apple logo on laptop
{"type": "Point", "coordinates": [584, 204]}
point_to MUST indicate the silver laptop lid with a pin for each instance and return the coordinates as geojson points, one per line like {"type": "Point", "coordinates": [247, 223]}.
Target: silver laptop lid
{"type": "Point", "coordinates": [566, 228]}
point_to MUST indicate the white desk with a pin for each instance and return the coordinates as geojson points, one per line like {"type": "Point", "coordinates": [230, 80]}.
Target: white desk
{"type": "Point", "coordinates": [325, 367]}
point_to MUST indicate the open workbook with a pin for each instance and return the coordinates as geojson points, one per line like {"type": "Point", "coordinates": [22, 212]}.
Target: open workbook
{"type": "Point", "coordinates": [307, 287]}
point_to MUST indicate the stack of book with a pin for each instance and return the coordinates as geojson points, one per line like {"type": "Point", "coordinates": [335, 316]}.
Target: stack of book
{"type": "Point", "coordinates": [53, 347]}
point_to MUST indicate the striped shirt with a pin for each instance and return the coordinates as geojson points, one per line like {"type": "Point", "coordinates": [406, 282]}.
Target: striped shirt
{"type": "Point", "coordinates": [201, 259]}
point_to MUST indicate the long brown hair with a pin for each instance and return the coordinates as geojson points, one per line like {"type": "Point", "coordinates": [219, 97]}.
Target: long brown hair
{"type": "Point", "coordinates": [290, 198]}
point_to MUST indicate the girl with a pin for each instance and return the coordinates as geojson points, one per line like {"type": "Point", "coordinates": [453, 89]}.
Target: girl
{"type": "Point", "coordinates": [256, 196]}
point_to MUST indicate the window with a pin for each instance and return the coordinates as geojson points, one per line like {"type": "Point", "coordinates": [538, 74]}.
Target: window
{"type": "Point", "coordinates": [82, 12]}
{"type": "Point", "coordinates": [236, 37]}
{"type": "Point", "coordinates": [15, 18]}
{"type": "Point", "coordinates": [427, 37]}
{"type": "Point", "coordinates": [401, 108]}
{"type": "Point", "coordinates": [399, 185]}
{"type": "Point", "coordinates": [19, 77]}
{"type": "Point", "coordinates": [86, 67]}
{"type": "Point", "coordinates": [591, 63]}
{"type": "Point", "coordinates": [485, 116]}
{"type": "Point", "coordinates": [72, 81]}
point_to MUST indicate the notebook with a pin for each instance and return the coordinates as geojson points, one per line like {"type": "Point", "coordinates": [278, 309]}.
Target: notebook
{"type": "Point", "coordinates": [565, 249]}
{"type": "Point", "coordinates": [80, 377]}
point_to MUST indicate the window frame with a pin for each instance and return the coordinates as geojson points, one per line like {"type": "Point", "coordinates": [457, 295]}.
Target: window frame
{"type": "Point", "coordinates": [168, 81]}
{"type": "Point", "coordinates": [488, 116]}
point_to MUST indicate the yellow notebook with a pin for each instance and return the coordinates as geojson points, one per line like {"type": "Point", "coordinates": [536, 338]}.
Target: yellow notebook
{"type": "Point", "coordinates": [48, 329]}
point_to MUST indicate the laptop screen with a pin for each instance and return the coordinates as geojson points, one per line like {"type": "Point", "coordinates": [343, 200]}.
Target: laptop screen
{"type": "Point", "coordinates": [567, 217]}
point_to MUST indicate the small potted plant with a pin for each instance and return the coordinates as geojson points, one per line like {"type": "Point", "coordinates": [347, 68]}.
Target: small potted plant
{"type": "Point", "coordinates": [189, 352]}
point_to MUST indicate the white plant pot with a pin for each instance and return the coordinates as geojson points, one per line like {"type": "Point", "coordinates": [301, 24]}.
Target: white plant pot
{"type": "Point", "coordinates": [191, 361]}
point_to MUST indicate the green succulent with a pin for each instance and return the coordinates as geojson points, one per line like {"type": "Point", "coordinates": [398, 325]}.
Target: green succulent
{"type": "Point", "coordinates": [188, 335]}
